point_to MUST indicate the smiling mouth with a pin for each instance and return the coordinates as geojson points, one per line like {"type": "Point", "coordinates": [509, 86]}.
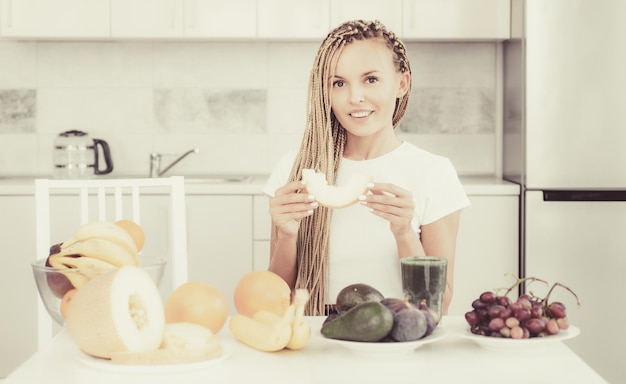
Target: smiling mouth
{"type": "Point", "coordinates": [361, 114]}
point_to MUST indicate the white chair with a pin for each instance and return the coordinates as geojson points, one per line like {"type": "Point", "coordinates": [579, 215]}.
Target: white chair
{"type": "Point", "coordinates": [81, 201]}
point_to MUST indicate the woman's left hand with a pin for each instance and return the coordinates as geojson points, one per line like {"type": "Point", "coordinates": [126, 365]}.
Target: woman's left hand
{"type": "Point", "coordinates": [392, 203]}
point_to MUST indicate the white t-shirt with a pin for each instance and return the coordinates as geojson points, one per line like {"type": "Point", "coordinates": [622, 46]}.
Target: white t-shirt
{"type": "Point", "coordinates": [362, 247]}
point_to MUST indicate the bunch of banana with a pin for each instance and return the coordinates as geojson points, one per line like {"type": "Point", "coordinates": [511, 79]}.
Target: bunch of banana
{"type": "Point", "coordinates": [94, 247]}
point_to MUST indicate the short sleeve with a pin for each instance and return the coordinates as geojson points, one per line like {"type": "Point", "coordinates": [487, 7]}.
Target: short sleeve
{"type": "Point", "coordinates": [280, 173]}
{"type": "Point", "coordinates": [446, 193]}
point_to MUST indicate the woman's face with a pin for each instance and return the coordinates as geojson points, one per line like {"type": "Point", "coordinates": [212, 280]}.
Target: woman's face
{"type": "Point", "coordinates": [365, 87]}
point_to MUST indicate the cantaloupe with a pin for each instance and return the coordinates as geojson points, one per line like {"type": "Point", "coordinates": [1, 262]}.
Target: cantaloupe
{"type": "Point", "coordinates": [333, 196]}
{"type": "Point", "coordinates": [118, 311]}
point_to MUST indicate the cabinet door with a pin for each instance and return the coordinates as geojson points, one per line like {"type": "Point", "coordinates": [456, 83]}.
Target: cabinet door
{"type": "Point", "coordinates": [219, 240]}
{"type": "Point", "coordinates": [147, 18]}
{"type": "Point", "coordinates": [262, 223]}
{"type": "Point", "coordinates": [55, 19]}
{"type": "Point", "coordinates": [457, 19]}
{"type": "Point", "coordinates": [387, 12]}
{"type": "Point", "coordinates": [19, 298]}
{"type": "Point", "coordinates": [221, 18]}
{"type": "Point", "coordinates": [487, 248]}
{"type": "Point", "coordinates": [293, 19]}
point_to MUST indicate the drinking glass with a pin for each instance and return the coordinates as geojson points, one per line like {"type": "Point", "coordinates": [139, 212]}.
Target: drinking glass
{"type": "Point", "coordinates": [424, 278]}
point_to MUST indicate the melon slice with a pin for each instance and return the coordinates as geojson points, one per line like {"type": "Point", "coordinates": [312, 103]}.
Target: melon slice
{"type": "Point", "coordinates": [182, 343]}
{"type": "Point", "coordinates": [333, 196]}
{"type": "Point", "coordinates": [117, 311]}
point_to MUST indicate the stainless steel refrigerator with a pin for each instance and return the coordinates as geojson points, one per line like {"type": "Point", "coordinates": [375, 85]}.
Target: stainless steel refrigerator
{"type": "Point", "coordinates": [565, 144]}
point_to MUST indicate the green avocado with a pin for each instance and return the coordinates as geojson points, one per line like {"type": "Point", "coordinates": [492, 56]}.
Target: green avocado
{"type": "Point", "coordinates": [355, 294]}
{"type": "Point", "coordinates": [368, 321]}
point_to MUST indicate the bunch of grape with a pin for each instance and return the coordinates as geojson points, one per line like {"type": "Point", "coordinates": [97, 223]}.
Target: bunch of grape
{"type": "Point", "coordinates": [498, 316]}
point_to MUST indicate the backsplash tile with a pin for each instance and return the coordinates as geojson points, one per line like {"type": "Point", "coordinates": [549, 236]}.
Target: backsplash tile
{"type": "Point", "coordinates": [210, 111]}
{"type": "Point", "coordinates": [18, 110]}
{"type": "Point", "coordinates": [243, 101]}
{"type": "Point", "coordinates": [450, 110]}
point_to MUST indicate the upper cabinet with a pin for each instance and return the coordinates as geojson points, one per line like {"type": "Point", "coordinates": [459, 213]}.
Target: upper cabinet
{"type": "Point", "coordinates": [387, 12]}
{"type": "Point", "coordinates": [293, 19]}
{"type": "Point", "coordinates": [415, 20]}
{"type": "Point", "coordinates": [162, 19]}
{"type": "Point", "coordinates": [55, 18]}
{"type": "Point", "coordinates": [456, 19]}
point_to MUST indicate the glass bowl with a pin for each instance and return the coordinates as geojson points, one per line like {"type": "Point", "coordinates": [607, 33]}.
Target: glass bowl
{"type": "Point", "coordinates": [52, 284]}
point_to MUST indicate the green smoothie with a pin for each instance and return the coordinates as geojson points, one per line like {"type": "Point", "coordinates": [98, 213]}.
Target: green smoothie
{"type": "Point", "coordinates": [424, 278]}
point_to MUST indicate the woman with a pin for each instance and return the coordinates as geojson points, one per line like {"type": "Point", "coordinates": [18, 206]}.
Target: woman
{"type": "Point", "coordinates": [359, 89]}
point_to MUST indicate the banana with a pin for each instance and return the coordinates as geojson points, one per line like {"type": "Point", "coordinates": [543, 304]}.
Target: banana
{"type": "Point", "coordinates": [104, 230]}
{"type": "Point", "coordinates": [76, 278]}
{"type": "Point", "coordinates": [266, 317]}
{"type": "Point", "coordinates": [263, 336]}
{"type": "Point", "coordinates": [98, 248]}
{"type": "Point", "coordinates": [88, 266]}
{"type": "Point", "coordinates": [300, 330]}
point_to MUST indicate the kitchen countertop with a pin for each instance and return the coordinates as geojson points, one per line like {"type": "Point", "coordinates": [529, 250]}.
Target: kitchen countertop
{"type": "Point", "coordinates": [253, 185]}
{"type": "Point", "coordinates": [449, 359]}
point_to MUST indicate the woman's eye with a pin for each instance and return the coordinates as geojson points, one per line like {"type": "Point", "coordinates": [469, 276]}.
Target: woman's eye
{"type": "Point", "coordinates": [371, 80]}
{"type": "Point", "coordinates": [338, 83]}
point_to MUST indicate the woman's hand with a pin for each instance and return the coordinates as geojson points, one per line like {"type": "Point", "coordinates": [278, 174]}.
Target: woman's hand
{"type": "Point", "coordinates": [289, 205]}
{"type": "Point", "coordinates": [392, 203]}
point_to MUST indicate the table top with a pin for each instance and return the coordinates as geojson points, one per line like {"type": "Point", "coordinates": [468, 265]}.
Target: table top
{"type": "Point", "coordinates": [449, 359]}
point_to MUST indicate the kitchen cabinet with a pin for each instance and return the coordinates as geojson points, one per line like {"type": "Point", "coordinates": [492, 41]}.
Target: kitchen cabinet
{"type": "Point", "coordinates": [183, 19]}
{"type": "Point", "coordinates": [456, 19]}
{"type": "Point", "coordinates": [55, 19]}
{"type": "Point", "coordinates": [219, 240]}
{"type": "Point", "coordinates": [387, 12]}
{"type": "Point", "coordinates": [487, 246]}
{"type": "Point", "coordinates": [293, 19]}
{"type": "Point", "coordinates": [17, 223]}
{"type": "Point", "coordinates": [261, 229]}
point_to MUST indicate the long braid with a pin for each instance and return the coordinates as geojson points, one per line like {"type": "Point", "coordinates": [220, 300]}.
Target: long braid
{"type": "Point", "coordinates": [323, 145]}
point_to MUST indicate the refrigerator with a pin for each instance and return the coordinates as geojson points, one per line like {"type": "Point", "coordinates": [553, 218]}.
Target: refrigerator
{"type": "Point", "coordinates": [564, 142]}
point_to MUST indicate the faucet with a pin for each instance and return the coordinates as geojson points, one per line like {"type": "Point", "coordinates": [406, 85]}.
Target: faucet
{"type": "Point", "coordinates": [155, 162]}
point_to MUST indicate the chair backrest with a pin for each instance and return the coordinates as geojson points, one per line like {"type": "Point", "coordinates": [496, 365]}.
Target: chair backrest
{"type": "Point", "coordinates": [81, 201]}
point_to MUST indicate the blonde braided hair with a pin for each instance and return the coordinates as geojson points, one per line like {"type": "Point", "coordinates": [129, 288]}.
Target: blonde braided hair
{"type": "Point", "coordinates": [323, 144]}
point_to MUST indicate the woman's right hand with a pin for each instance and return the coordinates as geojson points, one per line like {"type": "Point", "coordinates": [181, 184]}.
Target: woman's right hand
{"type": "Point", "coordinates": [289, 206]}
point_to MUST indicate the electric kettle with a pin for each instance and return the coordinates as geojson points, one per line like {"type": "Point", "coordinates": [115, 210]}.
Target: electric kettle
{"type": "Point", "coordinates": [77, 156]}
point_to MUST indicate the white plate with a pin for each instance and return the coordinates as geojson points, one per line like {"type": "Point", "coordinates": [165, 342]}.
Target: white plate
{"type": "Point", "coordinates": [388, 348]}
{"type": "Point", "coordinates": [507, 345]}
{"type": "Point", "coordinates": [106, 365]}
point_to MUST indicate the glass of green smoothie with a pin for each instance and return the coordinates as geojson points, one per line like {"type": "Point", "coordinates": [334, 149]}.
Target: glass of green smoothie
{"type": "Point", "coordinates": [424, 278]}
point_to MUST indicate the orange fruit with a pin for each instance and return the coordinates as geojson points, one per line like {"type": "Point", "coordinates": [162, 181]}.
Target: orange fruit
{"type": "Point", "coordinates": [65, 301]}
{"type": "Point", "coordinates": [134, 230]}
{"type": "Point", "coordinates": [199, 303]}
{"type": "Point", "coordinates": [262, 290]}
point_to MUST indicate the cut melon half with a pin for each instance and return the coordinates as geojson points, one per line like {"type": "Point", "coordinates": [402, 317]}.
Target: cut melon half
{"type": "Point", "coordinates": [117, 311]}
{"type": "Point", "coordinates": [333, 196]}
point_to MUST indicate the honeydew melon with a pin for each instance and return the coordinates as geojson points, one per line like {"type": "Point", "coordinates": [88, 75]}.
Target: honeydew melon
{"type": "Point", "coordinates": [117, 311]}
{"type": "Point", "coordinates": [333, 196]}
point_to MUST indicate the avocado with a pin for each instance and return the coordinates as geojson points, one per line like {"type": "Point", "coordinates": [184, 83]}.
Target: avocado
{"type": "Point", "coordinates": [355, 294]}
{"type": "Point", "coordinates": [368, 321]}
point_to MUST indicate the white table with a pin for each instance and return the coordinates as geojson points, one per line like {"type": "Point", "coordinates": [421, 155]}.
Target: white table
{"type": "Point", "coordinates": [449, 360]}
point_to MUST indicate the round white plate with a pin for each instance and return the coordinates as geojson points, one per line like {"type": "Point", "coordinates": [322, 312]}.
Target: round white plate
{"type": "Point", "coordinates": [106, 365]}
{"type": "Point", "coordinates": [506, 344]}
{"type": "Point", "coordinates": [388, 348]}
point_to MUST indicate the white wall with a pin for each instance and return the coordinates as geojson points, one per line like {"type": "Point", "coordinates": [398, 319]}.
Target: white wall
{"type": "Point", "coordinates": [115, 91]}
